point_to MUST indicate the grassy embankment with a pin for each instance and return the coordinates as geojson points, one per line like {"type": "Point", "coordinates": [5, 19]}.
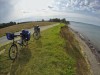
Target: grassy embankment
{"type": "Point", "coordinates": [74, 50]}
{"type": "Point", "coordinates": [19, 27]}
{"type": "Point", "coordinates": [50, 55]}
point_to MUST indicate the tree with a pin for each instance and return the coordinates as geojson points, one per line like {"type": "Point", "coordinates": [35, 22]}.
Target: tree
{"type": "Point", "coordinates": [63, 20]}
{"type": "Point", "coordinates": [43, 20]}
{"type": "Point", "coordinates": [3, 25]}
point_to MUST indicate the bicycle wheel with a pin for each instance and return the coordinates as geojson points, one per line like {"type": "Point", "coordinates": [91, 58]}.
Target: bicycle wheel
{"type": "Point", "coordinates": [13, 51]}
{"type": "Point", "coordinates": [25, 42]}
{"type": "Point", "coordinates": [36, 35]}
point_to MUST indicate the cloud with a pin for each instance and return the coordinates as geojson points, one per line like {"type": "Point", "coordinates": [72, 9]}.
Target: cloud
{"type": "Point", "coordinates": [95, 5]}
{"type": "Point", "coordinates": [84, 10]}
{"type": "Point", "coordinates": [11, 10]}
{"type": "Point", "coordinates": [80, 5]}
{"type": "Point", "coordinates": [6, 9]}
{"type": "Point", "coordinates": [50, 7]}
{"type": "Point", "coordinates": [26, 12]}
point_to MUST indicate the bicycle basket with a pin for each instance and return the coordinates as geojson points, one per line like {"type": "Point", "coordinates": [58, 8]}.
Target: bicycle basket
{"type": "Point", "coordinates": [10, 36]}
{"type": "Point", "coordinates": [26, 35]}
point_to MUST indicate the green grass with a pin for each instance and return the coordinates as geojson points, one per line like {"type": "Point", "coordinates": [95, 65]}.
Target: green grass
{"type": "Point", "coordinates": [46, 56]}
{"type": "Point", "coordinates": [5, 62]}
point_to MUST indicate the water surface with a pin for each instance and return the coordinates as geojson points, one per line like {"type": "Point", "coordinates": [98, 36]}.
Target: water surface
{"type": "Point", "coordinates": [92, 32]}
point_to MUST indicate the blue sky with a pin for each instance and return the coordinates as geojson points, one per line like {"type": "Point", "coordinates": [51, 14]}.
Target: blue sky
{"type": "Point", "coordinates": [87, 11]}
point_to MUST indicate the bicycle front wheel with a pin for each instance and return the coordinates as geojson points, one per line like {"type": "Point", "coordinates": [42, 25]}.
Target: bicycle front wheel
{"type": "Point", "coordinates": [13, 51]}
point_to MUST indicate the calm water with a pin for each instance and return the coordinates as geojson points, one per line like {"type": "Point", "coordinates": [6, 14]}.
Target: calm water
{"type": "Point", "coordinates": [92, 32]}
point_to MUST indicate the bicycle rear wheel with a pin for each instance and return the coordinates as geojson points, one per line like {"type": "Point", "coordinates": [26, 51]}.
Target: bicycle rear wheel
{"type": "Point", "coordinates": [13, 51]}
{"type": "Point", "coordinates": [36, 35]}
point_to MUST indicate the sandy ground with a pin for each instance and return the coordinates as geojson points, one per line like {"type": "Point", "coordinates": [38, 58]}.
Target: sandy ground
{"type": "Point", "coordinates": [92, 62]}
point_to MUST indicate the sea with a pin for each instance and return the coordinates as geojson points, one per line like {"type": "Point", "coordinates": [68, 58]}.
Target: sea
{"type": "Point", "coordinates": [89, 31]}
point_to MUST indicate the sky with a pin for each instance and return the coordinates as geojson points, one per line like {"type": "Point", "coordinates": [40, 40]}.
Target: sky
{"type": "Point", "coordinates": [86, 11]}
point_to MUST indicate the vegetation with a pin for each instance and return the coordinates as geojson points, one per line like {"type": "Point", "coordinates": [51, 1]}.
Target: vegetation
{"type": "Point", "coordinates": [59, 20]}
{"type": "Point", "coordinates": [45, 56]}
{"type": "Point", "coordinates": [74, 51]}
{"type": "Point", "coordinates": [3, 25]}
{"type": "Point", "coordinates": [55, 53]}
{"type": "Point", "coordinates": [19, 27]}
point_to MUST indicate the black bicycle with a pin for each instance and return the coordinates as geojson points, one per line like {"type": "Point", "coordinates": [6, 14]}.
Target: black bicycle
{"type": "Point", "coordinates": [36, 35]}
{"type": "Point", "coordinates": [13, 51]}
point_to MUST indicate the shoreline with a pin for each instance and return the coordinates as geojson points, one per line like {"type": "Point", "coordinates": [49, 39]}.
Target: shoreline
{"type": "Point", "coordinates": [88, 42]}
{"type": "Point", "coordinates": [88, 50]}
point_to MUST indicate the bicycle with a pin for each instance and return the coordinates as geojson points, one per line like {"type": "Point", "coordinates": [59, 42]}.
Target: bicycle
{"type": "Point", "coordinates": [36, 35]}
{"type": "Point", "coordinates": [13, 50]}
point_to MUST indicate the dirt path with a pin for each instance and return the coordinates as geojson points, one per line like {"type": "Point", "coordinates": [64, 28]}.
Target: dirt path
{"type": "Point", "coordinates": [94, 64]}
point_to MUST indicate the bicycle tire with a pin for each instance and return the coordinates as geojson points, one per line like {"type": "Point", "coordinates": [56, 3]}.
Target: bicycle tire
{"type": "Point", "coordinates": [36, 35]}
{"type": "Point", "coordinates": [13, 49]}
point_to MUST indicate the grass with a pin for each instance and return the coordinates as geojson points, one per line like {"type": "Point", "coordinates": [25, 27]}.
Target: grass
{"type": "Point", "coordinates": [74, 50]}
{"type": "Point", "coordinates": [5, 62]}
{"type": "Point", "coordinates": [45, 56]}
{"type": "Point", "coordinates": [19, 27]}
{"type": "Point", "coordinates": [50, 55]}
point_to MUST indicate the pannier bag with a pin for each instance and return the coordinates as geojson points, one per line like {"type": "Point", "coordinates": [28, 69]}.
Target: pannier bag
{"type": "Point", "coordinates": [10, 36]}
{"type": "Point", "coordinates": [26, 35]}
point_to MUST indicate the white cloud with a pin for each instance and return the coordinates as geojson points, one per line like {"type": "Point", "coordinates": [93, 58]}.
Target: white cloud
{"type": "Point", "coordinates": [87, 5]}
{"type": "Point", "coordinates": [17, 9]}
{"type": "Point", "coordinates": [20, 9]}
